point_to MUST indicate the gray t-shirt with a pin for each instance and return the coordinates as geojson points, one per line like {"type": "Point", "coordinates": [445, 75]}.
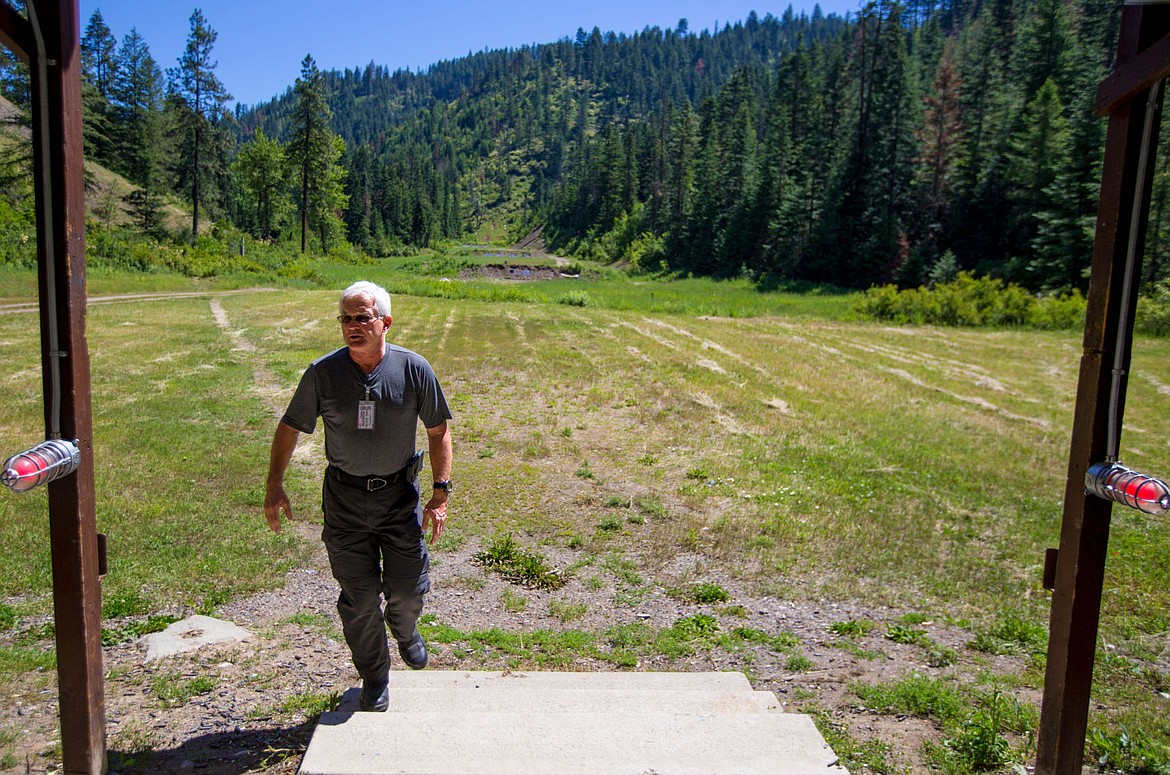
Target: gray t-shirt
{"type": "Point", "coordinates": [403, 390]}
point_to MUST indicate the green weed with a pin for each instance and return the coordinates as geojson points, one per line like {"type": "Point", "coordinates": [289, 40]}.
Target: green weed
{"type": "Point", "coordinates": [566, 612]}
{"type": "Point", "coordinates": [519, 565]}
{"type": "Point", "coordinates": [798, 663]}
{"type": "Point", "coordinates": [311, 704]}
{"type": "Point", "coordinates": [1012, 634]}
{"type": "Point", "coordinates": [172, 689]}
{"type": "Point", "coordinates": [512, 602]}
{"type": "Point", "coordinates": [855, 755]}
{"type": "Point", "coordinates": [902, 634]}
{"type": "Point", "coordinates": [136, 629]}
{"type": "Point", "coordinates": [853, 628]}
{"type": "Point", "coordinates": [709, 593]}
{"type": "Point", "coordinates": [609, 524]}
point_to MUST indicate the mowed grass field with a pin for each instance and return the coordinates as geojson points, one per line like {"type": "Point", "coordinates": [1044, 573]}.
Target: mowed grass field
{"type": "Point", "coordinates": [917, 468]}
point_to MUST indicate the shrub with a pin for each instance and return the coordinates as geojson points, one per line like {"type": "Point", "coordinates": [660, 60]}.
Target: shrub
{"type": "Point", "coordinates": [971, 301]}
{"type": "Point", "coordinates": [1153, 311]}
{"type": "Point", "coordinates": [575, 299]}
{"type": "Point", "coordinates": [18, 234]}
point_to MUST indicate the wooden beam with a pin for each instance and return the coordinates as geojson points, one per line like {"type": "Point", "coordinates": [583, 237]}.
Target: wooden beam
{"type": "Point", "coordinates": [1135, 76]}
{"type": "Point", "coordinates": [1080, 564]}
{"type": "Point", "coordinates": [16, 32]}
{"type": "Point", "coordinates": [55, 67]}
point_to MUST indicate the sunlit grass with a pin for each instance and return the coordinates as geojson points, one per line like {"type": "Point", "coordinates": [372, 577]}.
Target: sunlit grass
{"type": "Point", "coordinates": [807, 458]}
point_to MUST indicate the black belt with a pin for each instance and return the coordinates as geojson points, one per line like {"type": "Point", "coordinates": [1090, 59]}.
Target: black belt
{"type": "Point", "coordinates": [378, 482]}
{"type": "Point", "coordinates": [369, 483]}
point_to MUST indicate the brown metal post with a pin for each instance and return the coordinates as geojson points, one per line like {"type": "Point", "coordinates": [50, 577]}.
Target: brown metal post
{"type": "Point", "coordinates": [55, 65]}
{"type": "Point", "coordinates": [1080, 565]}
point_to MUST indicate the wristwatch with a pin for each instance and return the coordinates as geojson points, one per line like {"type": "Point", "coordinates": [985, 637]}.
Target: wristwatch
{"type": "Point", "coordinates": [446, 485]}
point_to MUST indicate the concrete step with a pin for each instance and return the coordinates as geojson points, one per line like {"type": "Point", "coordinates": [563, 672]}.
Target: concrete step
{"type": "Point", "coordinates": [518, 699]}
{"type": "Point", "coordinates": [475, 679]}
{"type": "Point", "coordinates": [458, 723]}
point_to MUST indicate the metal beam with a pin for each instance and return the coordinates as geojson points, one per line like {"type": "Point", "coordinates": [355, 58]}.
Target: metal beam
{"type": "Point", "coordinates": [1080, 565]}
{"type": "Point", "coordinates": [55, 66]}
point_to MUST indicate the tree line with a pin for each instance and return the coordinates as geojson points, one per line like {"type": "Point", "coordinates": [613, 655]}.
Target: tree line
{"type": "Point", "coordinates": [912, 145]}
{"type": "Point", "coordinates": [170, 133]}
{"type": "Point", "coordinates": [902, 144]}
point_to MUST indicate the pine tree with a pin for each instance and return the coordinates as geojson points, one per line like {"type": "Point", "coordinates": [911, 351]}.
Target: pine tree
{"type": "Point", "coordinates": [862, 235]}
{"type": "Point", "coordinates": [14, 79]}
{"type": "Point", "coordinates": [1045, 46]}
{"type": "Point", "coordinates": [939, 137]}
{"type": "Point", "coordinates": [99, 68]}
{"type": "Point", "coordinates": [200, 99]}
{"type": "Point", "coordinates": [99, 65]}
{"type": "Point", "coordinates": [1043, 219]}
{"type": "Point", "coordinates": [314, 156]}
{"type": "Point", "coordinates": [137, 95]}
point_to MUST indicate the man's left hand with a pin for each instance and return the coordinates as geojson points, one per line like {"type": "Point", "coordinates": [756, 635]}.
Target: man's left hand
{"type": "Point", "coordinates": [435, 513]}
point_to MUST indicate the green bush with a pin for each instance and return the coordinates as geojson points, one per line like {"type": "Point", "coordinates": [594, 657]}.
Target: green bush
{"type": "Point", "coordinates": [575, 299]}
{"type": "Point", "coordinates": [1153, 311]}
{"type": "Point", "coordinates": [18, 234]}
{"type": "Point", "coordinates": [971, 301]}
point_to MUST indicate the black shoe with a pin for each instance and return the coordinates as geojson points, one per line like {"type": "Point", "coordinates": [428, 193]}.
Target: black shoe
{"type": "Point", "coordinates": [414, 653]}
{"type": "Point", "coordinates": [375, 696]}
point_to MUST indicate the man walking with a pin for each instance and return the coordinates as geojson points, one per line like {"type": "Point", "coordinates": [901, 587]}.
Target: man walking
{"type": "Point", "coordinates": [371, 396]}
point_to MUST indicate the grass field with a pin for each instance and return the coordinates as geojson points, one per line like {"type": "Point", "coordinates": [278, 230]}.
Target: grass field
{"type": "Point", "coordinates": [812, 457]}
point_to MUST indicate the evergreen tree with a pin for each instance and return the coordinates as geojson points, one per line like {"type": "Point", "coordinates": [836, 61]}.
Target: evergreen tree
{"type": "Point", "coordinates": [862, 234]}
{"type": "Point", "coordinates": [137, 96]}
{"type": "Point", "coordinates": [14, 79]}
{"type": "Point", "coordinates": [314, 157]}
{"type": "Point", "coordinates": [940, 139]}
{"type": "Point", "coordinates": [1044, 225]}
{"type": "Point", "coordinates": [199, 99]}
{"type": "Point", "coordinates": [98, 70]}
{"type": "Point", "coordinates": [1045, 46]}
{"type": "Point", "coordinates": [99, 65]}
{"type": "Point", "coordinates": [328, 200]}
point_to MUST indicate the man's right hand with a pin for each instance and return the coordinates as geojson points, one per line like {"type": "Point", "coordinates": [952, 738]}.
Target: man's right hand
{"type": "Point", "coordinates": [276, 500]}
{"type": "Point", "coordinates": [283, 444]}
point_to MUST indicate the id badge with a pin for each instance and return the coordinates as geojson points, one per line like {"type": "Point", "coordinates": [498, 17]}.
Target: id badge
{"type": "Point", "coordinates": [365, 417]}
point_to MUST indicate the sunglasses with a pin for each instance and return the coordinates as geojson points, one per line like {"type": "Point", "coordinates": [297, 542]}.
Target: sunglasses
{"type": "Point", "coordinates": [362, 318]}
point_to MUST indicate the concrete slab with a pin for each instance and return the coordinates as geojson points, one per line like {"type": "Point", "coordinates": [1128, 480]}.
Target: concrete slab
{"type": "Point", "coordinates": [486, 723]}
{"type": "Point", "coordinates": [190, 634]}
{"type": "Point", "coordinates": [615, 743]}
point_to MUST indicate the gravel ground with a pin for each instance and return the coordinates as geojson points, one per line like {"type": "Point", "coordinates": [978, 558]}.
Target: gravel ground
{"type": "Point", "coordinates": [238, 722]}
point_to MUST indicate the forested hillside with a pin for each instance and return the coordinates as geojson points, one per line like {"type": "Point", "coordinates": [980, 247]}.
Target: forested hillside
{"type": "Point", "coordinates": [901, 144]}
{"type": "Point", "coordinates": [912, 139]}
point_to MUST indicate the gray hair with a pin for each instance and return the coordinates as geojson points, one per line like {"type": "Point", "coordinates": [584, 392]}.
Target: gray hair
{"type": "Point", "coordinates": [365, 288]}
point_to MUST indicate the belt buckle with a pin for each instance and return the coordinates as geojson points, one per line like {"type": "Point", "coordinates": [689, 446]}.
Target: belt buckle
{"type": "Point", "coordinates": [371, 487]}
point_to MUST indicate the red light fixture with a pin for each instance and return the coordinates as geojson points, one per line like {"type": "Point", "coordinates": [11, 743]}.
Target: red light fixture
{"type": "Point", "coordinates": [43, 463]}
{"type": "Point", "coordinates": [1115, 482]}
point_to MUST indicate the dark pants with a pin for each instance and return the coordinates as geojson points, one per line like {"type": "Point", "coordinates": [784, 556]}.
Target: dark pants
{"type": "Point", "coordinates": [376, 550]}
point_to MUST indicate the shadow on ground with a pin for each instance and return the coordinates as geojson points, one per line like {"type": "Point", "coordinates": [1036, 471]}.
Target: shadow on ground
{"type": "Point", "coordinates": [220, 753]}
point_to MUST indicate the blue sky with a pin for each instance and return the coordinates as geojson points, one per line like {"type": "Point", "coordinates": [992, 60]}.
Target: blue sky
{"type": "Point", "coordinates": [261, 43]}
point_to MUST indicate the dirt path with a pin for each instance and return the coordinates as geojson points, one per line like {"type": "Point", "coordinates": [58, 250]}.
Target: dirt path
{"type": "Point", "coordinates": [9, 308]}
